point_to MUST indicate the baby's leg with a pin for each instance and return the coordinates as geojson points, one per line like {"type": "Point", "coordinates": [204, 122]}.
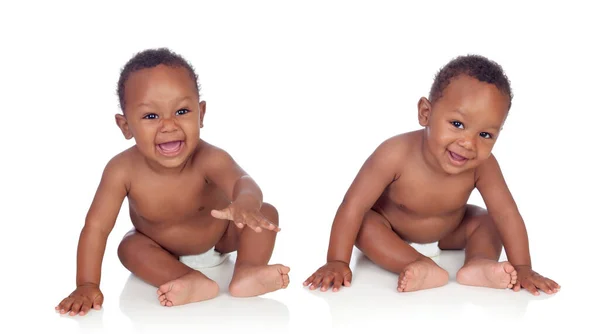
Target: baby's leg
{"type": "Point", "coordinates": [383, 246]}
{"type": "Point", "coordinates": [177, 283]}
{"type": "Point", "coordinates": [252, 276]}
{"type": "Point", "coordinates": [478, 236]}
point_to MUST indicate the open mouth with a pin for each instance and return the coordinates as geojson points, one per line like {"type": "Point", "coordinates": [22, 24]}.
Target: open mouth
{"type": "Point", "coordinates": [457, 159]}
{"type": "Point", "coordinates": [171, 148]}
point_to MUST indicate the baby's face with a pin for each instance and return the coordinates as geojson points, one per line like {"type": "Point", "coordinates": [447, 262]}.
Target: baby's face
{"type": "Point", "coordinates": [465, 123]}
{"type": "Point", "coordinates": [164, 114]}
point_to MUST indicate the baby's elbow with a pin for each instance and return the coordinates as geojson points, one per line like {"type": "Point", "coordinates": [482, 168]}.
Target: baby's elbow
{"type": "Point", "coordinates": [351, 208]}
{"type": "Point", "coordinates": [94, 230]}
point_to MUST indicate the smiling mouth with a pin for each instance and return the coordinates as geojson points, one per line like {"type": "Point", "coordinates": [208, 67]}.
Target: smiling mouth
{"type": "Point", "coordinates": [457, 159]}
{"type": "Point", "coordinates": [171, 148]}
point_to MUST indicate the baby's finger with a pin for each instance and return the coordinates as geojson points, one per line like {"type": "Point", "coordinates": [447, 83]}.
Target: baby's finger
{"type": "Point", "coordinates": [246, 221]}
{"type": "Point", "coordinates": [555, 286]}
{"type": "Point", "coordinates": [348, 279]}
{"type": "Point", "coordinates": [309, 280]}
{"type": "Point", "coordinates": [60, 305]}
{"type": "Point", "coordinates": [337, 283]}
{"type": "Point", "coordinates": [98, 301]}
{"type": "Point", "coordinates": [539, 281]}
{"type": "Point", "coordinates": [239, 221]}
{"type": "Point", "coordinates": [76, 307]}
{"type": "Point", "coordinates": [326, 282]}
{"type": "Point", "coordinates": [316, 281]}
{"type": "Point", "coordinates": [222, 214]}
{"type": "Point", "coordinates": [545, 286]}
{"type": "Point", "coordinates": [552, 286]}
{"type": "Point", "coordinates": [266, 224]}
{"type": "Point", "coordinates": [85, 307]}
{"type": "Point", "coordinates": [529, 286]}
{"type": "Point", "coordinates": [254, 223]}
{"type": "Point", "coordinates": [65, 305]}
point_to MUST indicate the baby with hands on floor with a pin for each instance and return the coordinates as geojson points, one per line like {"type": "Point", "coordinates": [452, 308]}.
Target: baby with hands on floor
{"type": "Point", "coordinates": [185, 197]}
{"type": "Point", "coordinates": [415, 186]}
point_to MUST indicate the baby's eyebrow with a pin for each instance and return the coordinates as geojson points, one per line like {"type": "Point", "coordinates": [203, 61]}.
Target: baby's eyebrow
{"type": "Point", "coordinates": [461, 113]}
{"type": "Point", "coordinates": [150, 105]}
{"type": "Point", "coordinates": [144, 104]}
{"type": "Point", "coordinates": [185, 98]}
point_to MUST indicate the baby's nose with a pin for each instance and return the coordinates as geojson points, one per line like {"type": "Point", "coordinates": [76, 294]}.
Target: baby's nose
{"type": "Point", "coordinates": [467, 142]}
{"type": "Point", "coordinates": [168, 125]}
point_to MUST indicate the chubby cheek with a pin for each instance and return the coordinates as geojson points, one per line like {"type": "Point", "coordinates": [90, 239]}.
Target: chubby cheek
{"type": "Point", "coordinates": [192, 131]}
{"type": "Point", "coordinates": [442, 138]}
{"type": "Point", "coordinates": [483, 152]}
{"type": "Point", "coordinates": [144, 138]}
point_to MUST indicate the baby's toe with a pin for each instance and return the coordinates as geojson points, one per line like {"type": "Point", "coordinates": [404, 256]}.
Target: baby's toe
{"type": "Point", "coordinates": [508, 268]}
{"type": "Point", "coordinates": [286, 280]}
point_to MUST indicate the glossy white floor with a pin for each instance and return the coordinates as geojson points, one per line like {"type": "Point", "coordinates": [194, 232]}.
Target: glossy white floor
{"type": "Point", "coordinates": [299, 95]}
{"type": "Point", "coordinates": [372, 302]}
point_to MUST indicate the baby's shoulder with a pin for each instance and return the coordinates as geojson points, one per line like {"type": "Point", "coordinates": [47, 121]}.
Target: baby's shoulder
{"type": "Point", "coordinates": [120, 164]}
{"type": "Point", "coordinates": [206, 149]}
{"type": "Point", "coordinates": [208, 155]}
{"type": "Point", "coordinates": [126, 157]}
{"type": "Point", "coordinates": [489, 167]}
{"type": "Point", "coordinates": [399, 146]}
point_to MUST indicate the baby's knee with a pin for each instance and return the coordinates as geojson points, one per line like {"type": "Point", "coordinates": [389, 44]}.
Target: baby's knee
{"type": "Point", "coordinates": [480, 221]}
{"type": "Point", "coordinates": [365, 230]}
{"type": "Point", "coordinates": [269, 211]}
{"type": "Point", "coordinates": [130, 246]}
{"type": "Point", "coordinates": [370, 228]}
{"type": "Point", "coordinates": [126, 248]}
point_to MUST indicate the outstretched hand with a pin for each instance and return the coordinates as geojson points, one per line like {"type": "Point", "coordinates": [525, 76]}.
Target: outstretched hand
{"type": "Point", "coordinates": [242, 216]}
{"type": "Point", "coordinates": [532, 281]}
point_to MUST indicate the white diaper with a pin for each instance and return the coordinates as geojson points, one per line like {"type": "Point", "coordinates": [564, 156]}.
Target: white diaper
{"type": "Point", "coordinates": [429, 250]}
{"type": "Point", "coordinates": [212, 258]}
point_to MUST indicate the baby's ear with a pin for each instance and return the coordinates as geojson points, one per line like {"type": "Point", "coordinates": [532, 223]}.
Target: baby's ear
{"type": "Point", "coordinates": [202, 109]}
{"type": "Point", "coordinates": [424, 108]}
{"type": "Point", "coordinates": [123, 125]}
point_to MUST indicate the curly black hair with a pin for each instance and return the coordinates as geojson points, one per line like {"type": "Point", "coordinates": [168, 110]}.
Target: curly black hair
{"type": "Point", "coordinates": [151, 58]}
{"type": "Point", "coordinates": [476, 66]}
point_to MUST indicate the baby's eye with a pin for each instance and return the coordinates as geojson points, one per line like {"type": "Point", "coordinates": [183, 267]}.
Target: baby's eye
{"type": "Point", "coordinates": [182, 111]}
{"type": "Point", "coordinates": [486, 135]}
{"type": "Point", "coordinates": [457, 124]}
{"type": "Point", "coordinates": [151, 116]}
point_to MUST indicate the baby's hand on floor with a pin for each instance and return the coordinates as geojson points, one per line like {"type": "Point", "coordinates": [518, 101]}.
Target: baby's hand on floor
{"type": "Point", "coordinates": [532, 281]}
{"type": "Point", "coordinates": [334, 272]}
{"type": "Point", "coordinates": [81, 300]}
{"type": "Point", "coordinates": [242, 215]}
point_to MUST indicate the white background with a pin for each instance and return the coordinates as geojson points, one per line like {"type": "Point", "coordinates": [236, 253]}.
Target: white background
{"type": "Point", "coordinates": [300, 93]}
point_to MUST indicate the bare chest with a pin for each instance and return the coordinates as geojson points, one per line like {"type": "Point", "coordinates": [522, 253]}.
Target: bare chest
{"type": "Point", "coordinates": [172, 200]}
{"type": "Point", "coordinates": [422, 195]}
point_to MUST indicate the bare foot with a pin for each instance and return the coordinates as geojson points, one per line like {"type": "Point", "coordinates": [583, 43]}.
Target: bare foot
{"type": "Point", "coordinates": [189, 288]}
{"type": "Point", "coordinates": [487, 273]}
{"type": "Point", "coordinates": [421, 275]}
{"type": "Point", "coordinates": [254, 281]}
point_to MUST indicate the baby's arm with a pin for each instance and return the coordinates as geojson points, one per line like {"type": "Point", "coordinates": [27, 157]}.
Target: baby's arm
{"type": "Point", "coordinates": [245, 195]}
{"type": "Point", "coordinates": [99, 222]}
{"type": "Point", "coordinates": [511, 227]}
{"type": "Point", "coordinates": [378, 171]}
